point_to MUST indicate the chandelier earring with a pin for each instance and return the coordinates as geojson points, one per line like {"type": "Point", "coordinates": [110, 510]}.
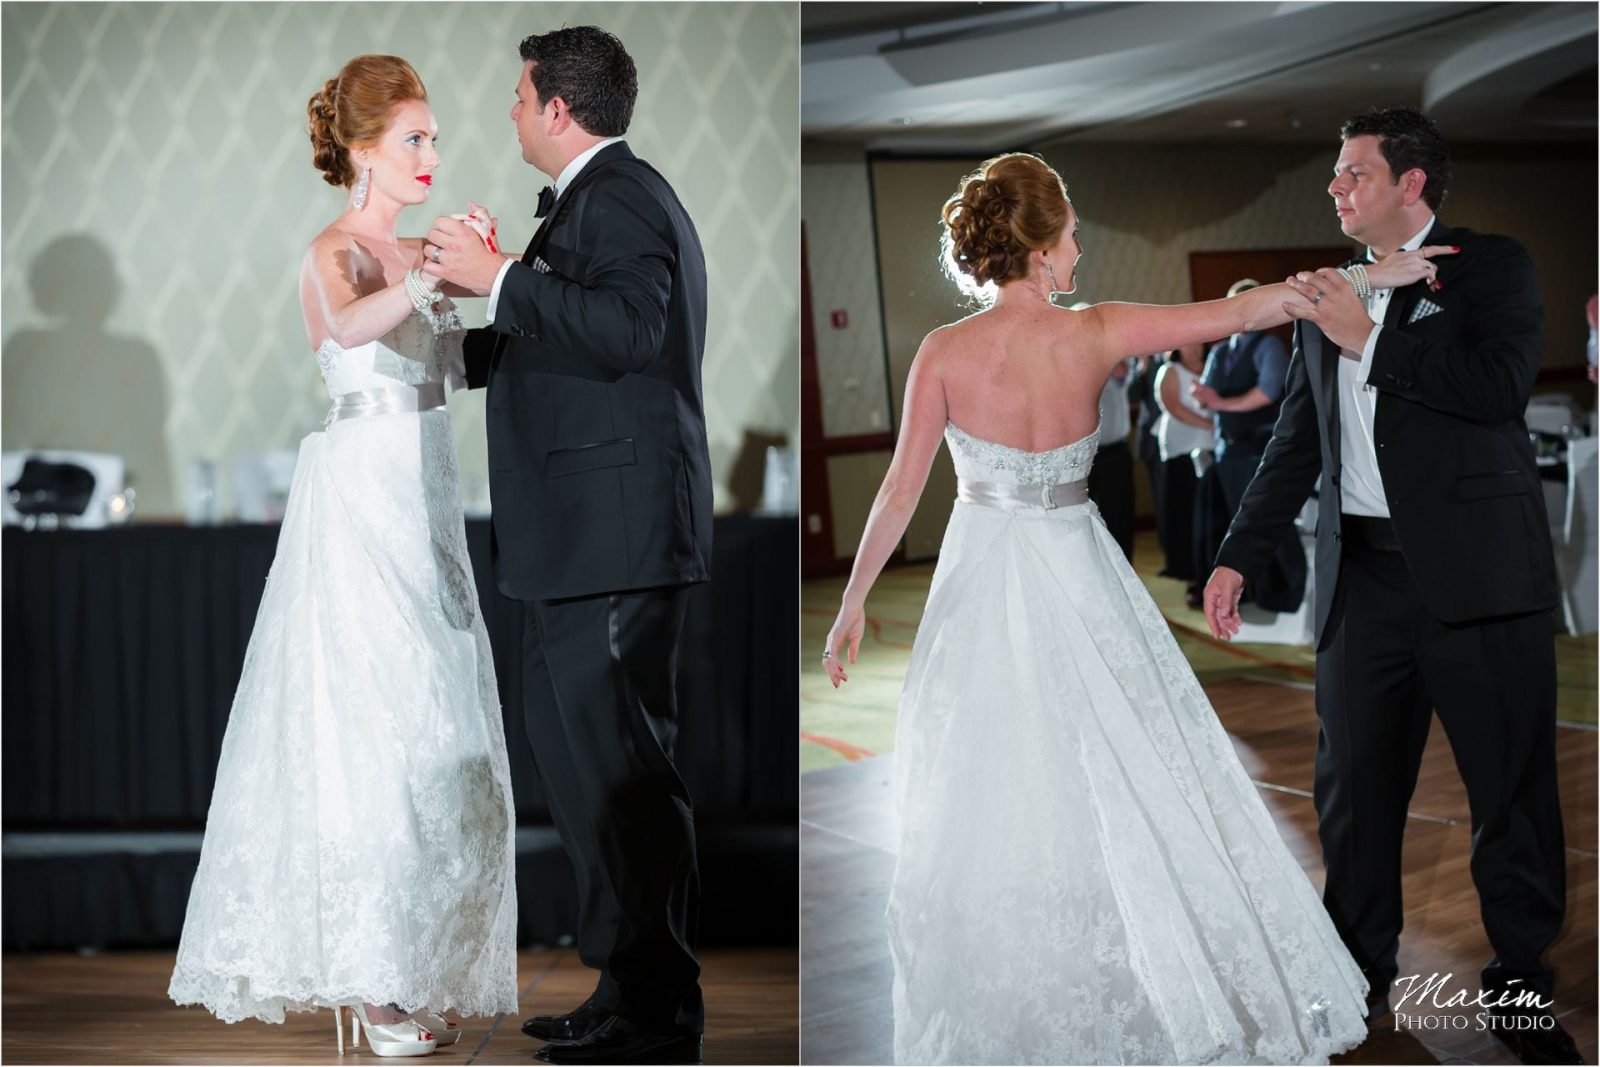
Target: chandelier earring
{"type": "Point", "coordinates": [360, 199]}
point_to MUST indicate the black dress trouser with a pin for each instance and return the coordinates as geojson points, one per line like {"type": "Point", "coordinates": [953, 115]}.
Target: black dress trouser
{"type": "Point", "coordinates": [1178, 518]}
{"type": "Point", "coordinates": [1282, 585]}
{"type": "Point", "coordinates": [1386, 665]}
{"type": "Point", "coordinates": [1111, 489]}
{"type": "Point", "coordinates": [1157, 472]}
{"type": "Point", "coordinates": [601, 715]}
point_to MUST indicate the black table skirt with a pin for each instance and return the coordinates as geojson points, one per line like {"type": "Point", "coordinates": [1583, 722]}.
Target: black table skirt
{"type": "Point", "coordinates": [122, 649]}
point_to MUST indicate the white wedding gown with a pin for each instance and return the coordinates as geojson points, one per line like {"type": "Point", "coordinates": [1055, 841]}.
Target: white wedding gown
{"type": "Point", "coordinates": [360, 842]}
{"type": "Point", "coordinates": [1085, 872]}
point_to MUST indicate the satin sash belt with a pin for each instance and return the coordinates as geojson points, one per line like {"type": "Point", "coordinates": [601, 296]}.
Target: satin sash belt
{"type": "Point", "coordinates": [999, 495]}
{"type": "Point", "coordinates": [387, 400]}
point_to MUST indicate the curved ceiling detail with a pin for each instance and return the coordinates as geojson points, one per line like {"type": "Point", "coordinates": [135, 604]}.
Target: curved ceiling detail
{"type": "Point", "coordinates": [991, 76]}
{"type": "Point", "coordinates": [1509, 77]}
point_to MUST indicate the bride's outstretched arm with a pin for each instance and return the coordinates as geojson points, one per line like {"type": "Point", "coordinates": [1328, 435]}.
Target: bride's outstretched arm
{"type": "Point", "coordinates": [1134, 328]}
{"type": "Point", "coordinates": [1129, 328]}
{"type": "Point", "coordinates": [922, 422]}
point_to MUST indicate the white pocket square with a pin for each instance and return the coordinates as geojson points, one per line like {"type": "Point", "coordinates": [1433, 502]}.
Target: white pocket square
{"type": "Point", "coordinates": [544, 268]}
{"type": "Point", "coordinates": [1424, 308]}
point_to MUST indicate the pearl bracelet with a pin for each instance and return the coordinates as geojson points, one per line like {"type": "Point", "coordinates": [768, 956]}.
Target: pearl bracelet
{"type": "Point", "coordinates": [1357, 277]}
{"type": "Point", "coordinates": [422, 298]}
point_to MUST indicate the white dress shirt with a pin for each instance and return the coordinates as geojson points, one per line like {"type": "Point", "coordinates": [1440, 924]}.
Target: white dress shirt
{"type": "Point", "coordinates": [1114, 411]}
{"type": "Point", "coordinates": [564, 179]}
{"type": "Point", "coordinates": [1360, 483]}
{"type": "Point", "coordinates": [1176, 438]}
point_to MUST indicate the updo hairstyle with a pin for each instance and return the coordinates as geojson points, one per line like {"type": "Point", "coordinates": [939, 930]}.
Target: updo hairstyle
{"type": "Point", "coordinates": [352, 110]}
{"type": "Point", "coordinates": [1008, 207]}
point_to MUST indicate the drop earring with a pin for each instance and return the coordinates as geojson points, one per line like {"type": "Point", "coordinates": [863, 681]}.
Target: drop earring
{"type": "Point", "coordinates": [1054, 288]}
{"type": "Point", "coordinates": [360, 199]}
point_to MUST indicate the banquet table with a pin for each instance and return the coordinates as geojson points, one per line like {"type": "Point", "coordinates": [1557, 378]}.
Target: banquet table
{"type": "Point", "coordinates": [122, 648]}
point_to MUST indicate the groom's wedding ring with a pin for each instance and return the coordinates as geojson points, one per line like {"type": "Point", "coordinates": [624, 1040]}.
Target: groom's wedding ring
{"type": "Point", "coordinates": [1315, 300]}
{"type": "Point", "coordinates": [436, 255]}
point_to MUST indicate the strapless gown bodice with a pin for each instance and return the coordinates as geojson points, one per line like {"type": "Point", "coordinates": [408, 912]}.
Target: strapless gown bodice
{"type": "Point", "coordinates": [978, 460]}
{"type": "Point", "coordinates": [419, 351]}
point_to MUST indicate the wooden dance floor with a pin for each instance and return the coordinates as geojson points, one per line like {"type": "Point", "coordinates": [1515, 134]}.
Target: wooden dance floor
{"type": "Point", "coordinates": [113, 1008]}
{"type": "Point", "coordinates": [845, 869]}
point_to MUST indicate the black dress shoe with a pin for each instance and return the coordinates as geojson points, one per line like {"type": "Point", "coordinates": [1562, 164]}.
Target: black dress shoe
{"type": "Point", "coordinates": [1377, 1005]}
{"type": "Point", "coordinates": [582, 1021]}
{"type": "Point", "coordinates": [619, 1041]}
{"type": "Point", "coordinates": [1533, 1036]}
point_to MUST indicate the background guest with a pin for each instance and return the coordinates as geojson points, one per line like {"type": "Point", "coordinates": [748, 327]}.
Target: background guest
{"type": "Point", "coordinates": [1111, 477]}
{"type": "Point", "coordinates": [1142, 392]}
{"type": "Point", "coordinates": [1243, 386]}
{"type": "Point", "coordinates": [1589, 310]}
{"type": "Point", "coordinates": [1185, 427]}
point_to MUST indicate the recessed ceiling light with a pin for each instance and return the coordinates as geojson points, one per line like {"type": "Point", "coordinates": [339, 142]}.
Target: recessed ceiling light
{"type": "Point", "coordinates": [1237, 124]}
{"type": "Point", "coordinates": [904, 120]}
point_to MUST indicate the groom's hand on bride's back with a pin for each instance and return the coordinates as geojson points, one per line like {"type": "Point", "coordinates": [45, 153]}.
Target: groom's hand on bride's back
{"type": "Point", "coordinates": [456, 253]}
{"type": "Point", "coordinates": [1222, 602]}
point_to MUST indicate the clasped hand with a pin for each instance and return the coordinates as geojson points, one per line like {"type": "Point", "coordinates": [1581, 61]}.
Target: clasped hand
{"type": "Point", "coordinates": [1204, 395]}
{"type": "Point", "coordinates": [463, 250]}
{"type": "Point", "coordinates": [1331, 302]}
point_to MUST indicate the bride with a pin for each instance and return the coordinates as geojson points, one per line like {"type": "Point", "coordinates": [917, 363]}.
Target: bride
{"type": "Point", "coordinates": [1085, 873]}
{"type": "Point", "coordinates": [359, 850]}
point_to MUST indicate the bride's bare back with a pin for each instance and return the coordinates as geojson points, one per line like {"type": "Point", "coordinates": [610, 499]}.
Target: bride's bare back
{"type": "Point", "coordinates": [1025, 378]}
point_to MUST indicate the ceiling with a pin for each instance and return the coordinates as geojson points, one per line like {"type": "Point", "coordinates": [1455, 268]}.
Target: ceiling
{"type": "Point", "coordinates": [963, 77]}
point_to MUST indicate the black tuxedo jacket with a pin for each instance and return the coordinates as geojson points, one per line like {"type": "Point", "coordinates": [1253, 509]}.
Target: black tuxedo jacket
{"type": "Point", "coordinates": [598, 467]}
{"type": "Point", "coordinates": [1452, 448]}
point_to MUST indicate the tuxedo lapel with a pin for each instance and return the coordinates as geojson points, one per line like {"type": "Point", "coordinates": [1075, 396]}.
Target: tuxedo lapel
{"type": "Point", "coordinates": [1322, 360]}
{"type": "Point", "coordinates": [607, 155]}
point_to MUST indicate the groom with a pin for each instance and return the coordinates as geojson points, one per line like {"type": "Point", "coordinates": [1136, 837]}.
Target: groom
{"type": "Point", "coordinates": [1435, 574]}
{"type": "Point", "coordinates": [601, 484]}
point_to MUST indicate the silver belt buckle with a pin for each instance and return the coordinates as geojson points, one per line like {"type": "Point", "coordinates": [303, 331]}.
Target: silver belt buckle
{"type": "Point", "coordinates": [1049, 499]}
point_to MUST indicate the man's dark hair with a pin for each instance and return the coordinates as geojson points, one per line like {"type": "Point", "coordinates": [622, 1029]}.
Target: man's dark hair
{"type": "Point", "coordinates": [589, 69]}
{"type": "Point", "coordinates": [1409, 140]}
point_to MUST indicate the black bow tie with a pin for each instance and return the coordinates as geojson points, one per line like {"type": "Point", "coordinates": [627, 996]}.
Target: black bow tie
{"type": "Point", "coordinates": [547, 200]}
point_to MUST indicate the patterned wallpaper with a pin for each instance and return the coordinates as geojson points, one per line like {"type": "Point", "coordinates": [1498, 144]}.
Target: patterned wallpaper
{"type": "Point", "coordinates": [836, 205]}
{"type": "Point", "coordinates": [158, 197]}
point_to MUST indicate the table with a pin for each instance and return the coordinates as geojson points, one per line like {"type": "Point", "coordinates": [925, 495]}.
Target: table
{"type": "Point", "coordinates": [122, 648]}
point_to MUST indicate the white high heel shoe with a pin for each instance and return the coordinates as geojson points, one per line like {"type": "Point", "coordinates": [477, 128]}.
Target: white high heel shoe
{"type": "Point", "coordinates": [445, 1031]}
{"type": "Point", "coordinates": [405, 1038]}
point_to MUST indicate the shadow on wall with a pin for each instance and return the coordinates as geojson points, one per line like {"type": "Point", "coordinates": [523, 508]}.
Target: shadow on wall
{"type": "Point", "coordinates": [75, 385]}
{"type": "Point", "coordinates": [748, 465]}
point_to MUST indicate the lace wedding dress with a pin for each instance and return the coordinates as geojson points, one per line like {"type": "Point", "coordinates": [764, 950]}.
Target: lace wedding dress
{"type": "Point", "coordinates": [360, 841]}
{"type": "Point", "coordinates": [1085, 872]}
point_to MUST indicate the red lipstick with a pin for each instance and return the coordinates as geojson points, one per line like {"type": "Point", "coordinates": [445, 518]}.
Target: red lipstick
{"type": "Point", "coordinates": [425, 179]}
